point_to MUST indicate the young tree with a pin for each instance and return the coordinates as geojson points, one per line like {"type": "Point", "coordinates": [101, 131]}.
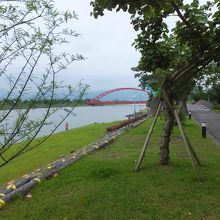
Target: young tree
{"type": "Point", "coordinates": [31, 35]}
{"type": "Point", "coordinates": [178, 56]}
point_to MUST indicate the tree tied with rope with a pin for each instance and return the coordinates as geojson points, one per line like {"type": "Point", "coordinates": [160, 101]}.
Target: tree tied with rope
{"type": "Point", "coordinates": [172, 60]}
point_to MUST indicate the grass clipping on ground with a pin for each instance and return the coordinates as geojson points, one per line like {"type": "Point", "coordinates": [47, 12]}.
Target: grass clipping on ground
{"type": "Point", "coordinates": [105, 186]}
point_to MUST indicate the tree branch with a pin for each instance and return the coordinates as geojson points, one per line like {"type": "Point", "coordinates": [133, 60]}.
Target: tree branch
{"type": "Point", "coordinates": [175, 6]}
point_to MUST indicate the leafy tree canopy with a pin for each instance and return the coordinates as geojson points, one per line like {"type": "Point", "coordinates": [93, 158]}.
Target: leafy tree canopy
{"type": "Point", "coordinates": [172, 60]}
{"type": "Point", "coordinates": [181, 52]}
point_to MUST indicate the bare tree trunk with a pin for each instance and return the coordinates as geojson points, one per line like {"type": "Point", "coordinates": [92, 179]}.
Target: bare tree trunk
{"type": "Point", "coordinates": [164, 149]}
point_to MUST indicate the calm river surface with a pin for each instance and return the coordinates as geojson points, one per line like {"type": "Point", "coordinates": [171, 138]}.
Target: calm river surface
{"type": "Point", "coordinates": [88, 115]}
{"type": "Point", "coordinates": [82, 116]}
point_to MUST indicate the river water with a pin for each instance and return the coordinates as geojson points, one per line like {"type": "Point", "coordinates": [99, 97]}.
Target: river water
{"type": "Point", "coordinates": [90, 114]}
{"type": "Point", "coordinates": [82, 116]}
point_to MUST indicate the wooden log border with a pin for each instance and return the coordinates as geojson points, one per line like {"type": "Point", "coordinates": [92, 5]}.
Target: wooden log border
{"type": "Point", "coordinates": [27, 182]}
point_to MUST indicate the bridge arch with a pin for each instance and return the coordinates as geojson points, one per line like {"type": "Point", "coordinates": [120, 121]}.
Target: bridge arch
{"type": "Point", "coordinates": [116, 90]}
{"type": "Point", "coordinates": [96, 99]}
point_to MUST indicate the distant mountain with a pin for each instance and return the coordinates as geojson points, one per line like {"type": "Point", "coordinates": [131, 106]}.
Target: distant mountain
{"type": "Point", "coordinates": [119, 95]}
{"type": "Point", "coordinates": [92, 94]}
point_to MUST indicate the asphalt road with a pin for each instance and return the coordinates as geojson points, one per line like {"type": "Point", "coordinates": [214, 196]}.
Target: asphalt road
{"type": "Point", "coordinates": [203, 114]}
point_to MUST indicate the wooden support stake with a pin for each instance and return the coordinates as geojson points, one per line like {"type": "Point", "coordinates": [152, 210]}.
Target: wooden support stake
{"type": "Point", "coordinates": [146, 143]}
{"type": "Point", "coordinates": [190, 150]}
{"type": "Point", "coordinates": [186, 141]}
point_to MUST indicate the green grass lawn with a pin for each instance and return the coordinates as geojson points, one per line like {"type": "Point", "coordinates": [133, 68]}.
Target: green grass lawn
{"type": "Point", "coordinates": [57, 145]}
{"type": "Point", "coordinates": [105, 186]}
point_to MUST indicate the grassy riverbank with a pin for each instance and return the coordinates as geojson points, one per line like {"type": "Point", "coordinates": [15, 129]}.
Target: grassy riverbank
{"type": "Point", "coordinates": [104, 185]}
{"type": "Point", "coordinates": [57, 145]}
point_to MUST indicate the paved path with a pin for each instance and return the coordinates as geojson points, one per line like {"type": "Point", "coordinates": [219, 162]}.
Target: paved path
{"type": "Point", "coordinates": [203, 114]}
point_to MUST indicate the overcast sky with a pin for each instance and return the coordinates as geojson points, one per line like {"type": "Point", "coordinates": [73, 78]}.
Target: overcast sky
{"type": "Point", "coordinates": [106, 43]}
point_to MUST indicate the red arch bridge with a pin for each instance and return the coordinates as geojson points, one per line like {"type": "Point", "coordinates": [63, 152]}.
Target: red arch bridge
{"type": "Point", "coordinates": [97, 101]}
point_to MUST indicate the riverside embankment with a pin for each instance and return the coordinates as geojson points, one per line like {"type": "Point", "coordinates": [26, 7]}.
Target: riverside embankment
{"type": "Point", "coordinates": [28, 181]}
{"type": "Point", "coordinates": [104, 185]}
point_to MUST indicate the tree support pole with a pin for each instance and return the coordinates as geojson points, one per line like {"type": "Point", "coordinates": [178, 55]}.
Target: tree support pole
{"type": "Point", "coordinates": [146, 143]}
{"type": "Point", "coordinates": [192, 150]}
{"type": "Point", "coordinates": [192, 155]}
{"type": "Point", "coordinates": [185, 139]}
